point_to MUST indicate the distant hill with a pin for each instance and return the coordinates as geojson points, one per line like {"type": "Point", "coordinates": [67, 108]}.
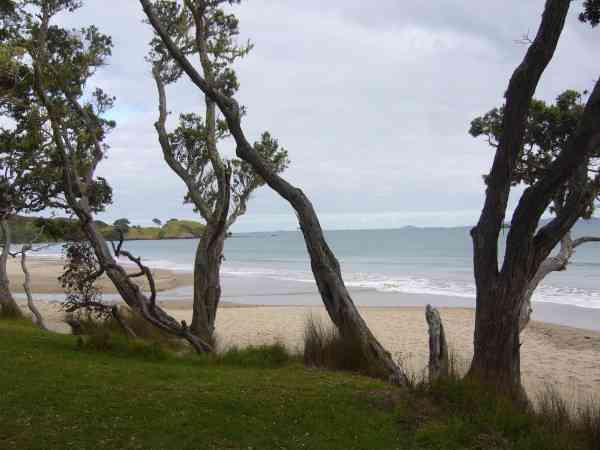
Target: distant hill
{"type": "Point", "coordinates": [25, 229]}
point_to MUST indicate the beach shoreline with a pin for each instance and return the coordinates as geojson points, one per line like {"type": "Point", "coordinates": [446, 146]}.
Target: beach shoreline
{"type": "Point", "coordinates": [552, 355]}
{"type": "Point", "coordinates": [557, 348]}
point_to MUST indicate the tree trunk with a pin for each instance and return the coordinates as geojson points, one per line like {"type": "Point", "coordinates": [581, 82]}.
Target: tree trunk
{"type": "Point", "coordinates": [438, 348]}
{"type": "Point", "coordinates": [325, 267]}
{"type": "Point", "coordinates": [496, 357]}
{"type": "Point", "coordinates": [130, 292]}
{"type": "Point", "coordinates": [8, 305]}
{"type": "Point", "coordinates": [551, 264]}
{"type": "Point", "coordinates": [38, 319]}
{"type": "Point", "coordinates": [500, 292]}
{"type": "Point", "coordinates": [122, 322]}
{"type": "Point", "coordinates": [207, 282]}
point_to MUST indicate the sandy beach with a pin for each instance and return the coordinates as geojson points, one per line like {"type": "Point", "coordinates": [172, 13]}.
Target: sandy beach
{"type": "Point", "coordinates": [257, 311]}
{"type": "Point", "coordinates": [45, 273]}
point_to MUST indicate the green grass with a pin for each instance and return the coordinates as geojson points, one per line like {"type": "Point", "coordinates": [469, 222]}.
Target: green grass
{"type": "Point", "coordinates": [54, 394]}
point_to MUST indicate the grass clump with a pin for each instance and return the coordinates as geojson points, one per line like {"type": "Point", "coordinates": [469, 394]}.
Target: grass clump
{"type": "Point", "coordinates": [261, 356]}
{"type": "Point", "coordinates": [561, 415]}
{"type": "Point", "coordinates": [104, 334]}
{"type": "Point", "coordinates": [327, 347]}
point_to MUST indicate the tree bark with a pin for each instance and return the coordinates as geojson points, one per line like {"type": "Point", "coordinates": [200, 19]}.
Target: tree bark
{"type": "Point", "coordinates": [551, 264]}
{"type": "Point", "coordinates": [325, 266]}
{"type": "Point", "coordinates": [500, 293]}
{"type": "Point", "coordinates": [207, 282]}
{"type": "Point", "coordinates": [8, 305]}
{"type": "Point", "coordinates": [122, 323]}
{"type": "Point", "coordinates": [38, 319]}
{"type": "Point", "coordinates": [438, 348]}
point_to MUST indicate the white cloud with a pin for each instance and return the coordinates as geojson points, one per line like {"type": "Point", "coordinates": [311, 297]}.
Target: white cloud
{"type": "Point", "coordinates": [372, 99]}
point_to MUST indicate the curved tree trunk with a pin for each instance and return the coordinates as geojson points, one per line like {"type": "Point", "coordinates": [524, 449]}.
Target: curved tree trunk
{"type": "Point", "coordinates": [325, 266]}
{"type": "Point", "coordinates": [207, 282]}
{"type": "Point", "coordinates": [130, 292]}
{"type": "Point", "coordinates": [500, 291]}
{"type": "Point", "coordinates": [550, 264]}
{"type": "Point", "coordinates": [8, 305]}
{"type": "Point", "coordinates": [38, 319]}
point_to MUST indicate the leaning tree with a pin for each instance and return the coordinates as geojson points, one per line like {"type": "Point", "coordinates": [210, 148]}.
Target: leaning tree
{"type": "Point", "coordinates": [547, 132]}
{"type": "Point", "coordinates": [29, 180]}
{"type": "Point", "coordinates": [501, 288]}
{"type": "Point", "coordinates": [219, 188]}
{"type": "Point", "coordinates": [63, 62]}
{"type": "Point", "coordinates": [325, 266]}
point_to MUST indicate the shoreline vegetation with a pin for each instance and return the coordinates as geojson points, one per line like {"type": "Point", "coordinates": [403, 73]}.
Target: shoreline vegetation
{"type": "Point", "coordinates": [24, 229]}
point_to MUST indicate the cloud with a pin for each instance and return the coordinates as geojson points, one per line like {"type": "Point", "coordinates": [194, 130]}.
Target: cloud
{"type": "Point", "coordinates": [372, 100]}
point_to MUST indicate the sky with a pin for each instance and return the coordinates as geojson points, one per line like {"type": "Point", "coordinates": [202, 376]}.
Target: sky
{"type": "Point", "coordinates": [372, 100]}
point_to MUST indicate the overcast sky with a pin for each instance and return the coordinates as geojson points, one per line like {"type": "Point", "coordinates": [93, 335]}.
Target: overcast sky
{"type": "Point", "coordinates": [372, 100]}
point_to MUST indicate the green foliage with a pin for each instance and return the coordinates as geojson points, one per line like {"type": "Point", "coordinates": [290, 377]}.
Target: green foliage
{"type": "Point", "coordinates": [80, 273]}
{"type": "Point", "coordinates": [591, 12]}
{"type": "Point", "coordinates": [548, 130]}
{"type": "Point", "coordinates": [122, 225]}
{"type": "Point", "coordinates": [32, 155]}
{"type": "Point", "coordinates": [207, 31]}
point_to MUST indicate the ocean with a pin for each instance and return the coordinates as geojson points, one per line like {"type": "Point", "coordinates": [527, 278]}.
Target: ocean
{"type": "Point", "coordinates": [410, 260]}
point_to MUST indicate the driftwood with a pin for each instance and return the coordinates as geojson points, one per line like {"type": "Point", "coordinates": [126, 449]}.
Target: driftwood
{"type": "Point", "coordinates": [438, 348]}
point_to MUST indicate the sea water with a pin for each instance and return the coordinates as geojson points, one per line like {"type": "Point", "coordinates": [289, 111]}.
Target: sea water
{"type": "Point", "coordinates": [434, 261]}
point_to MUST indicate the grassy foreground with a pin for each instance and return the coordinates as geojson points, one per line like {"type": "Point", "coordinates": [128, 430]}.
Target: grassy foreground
{"type": "Point", "coordinates": [54, 395]}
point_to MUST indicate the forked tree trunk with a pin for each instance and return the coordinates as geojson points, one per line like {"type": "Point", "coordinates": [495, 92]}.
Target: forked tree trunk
{"type": "Point", "coordinates": [207, 282]}
{"type": "Point", "coordinates": [8, 305]}
{"type": "Point", "coordinates": [500, 291]}
{"type": "Point", "coordinates": [325, 266]}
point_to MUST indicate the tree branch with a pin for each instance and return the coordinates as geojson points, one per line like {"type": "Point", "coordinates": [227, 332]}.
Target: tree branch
{"type": "Point", "coordinates": [582, 240]}
{"type": "Point", "coordinates": [519, 94]}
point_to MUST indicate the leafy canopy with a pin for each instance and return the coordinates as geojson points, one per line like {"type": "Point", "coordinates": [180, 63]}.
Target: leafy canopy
{"type": "Point", "coordinates": [548, 129]}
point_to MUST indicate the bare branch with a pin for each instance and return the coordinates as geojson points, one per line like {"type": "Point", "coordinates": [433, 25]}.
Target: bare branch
{"type": "Point", "coordinates": [582, 240]}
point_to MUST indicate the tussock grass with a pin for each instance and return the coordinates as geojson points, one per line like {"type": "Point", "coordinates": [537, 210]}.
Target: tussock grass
{"type": "Point", "coordinates": [262, 356]}
{"type": "Point", "coordinates": [106, 335]}
{"type": "Point", "coordinates": [325, 346]}
{"type": "Point", "coordinates": [561, 415]}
